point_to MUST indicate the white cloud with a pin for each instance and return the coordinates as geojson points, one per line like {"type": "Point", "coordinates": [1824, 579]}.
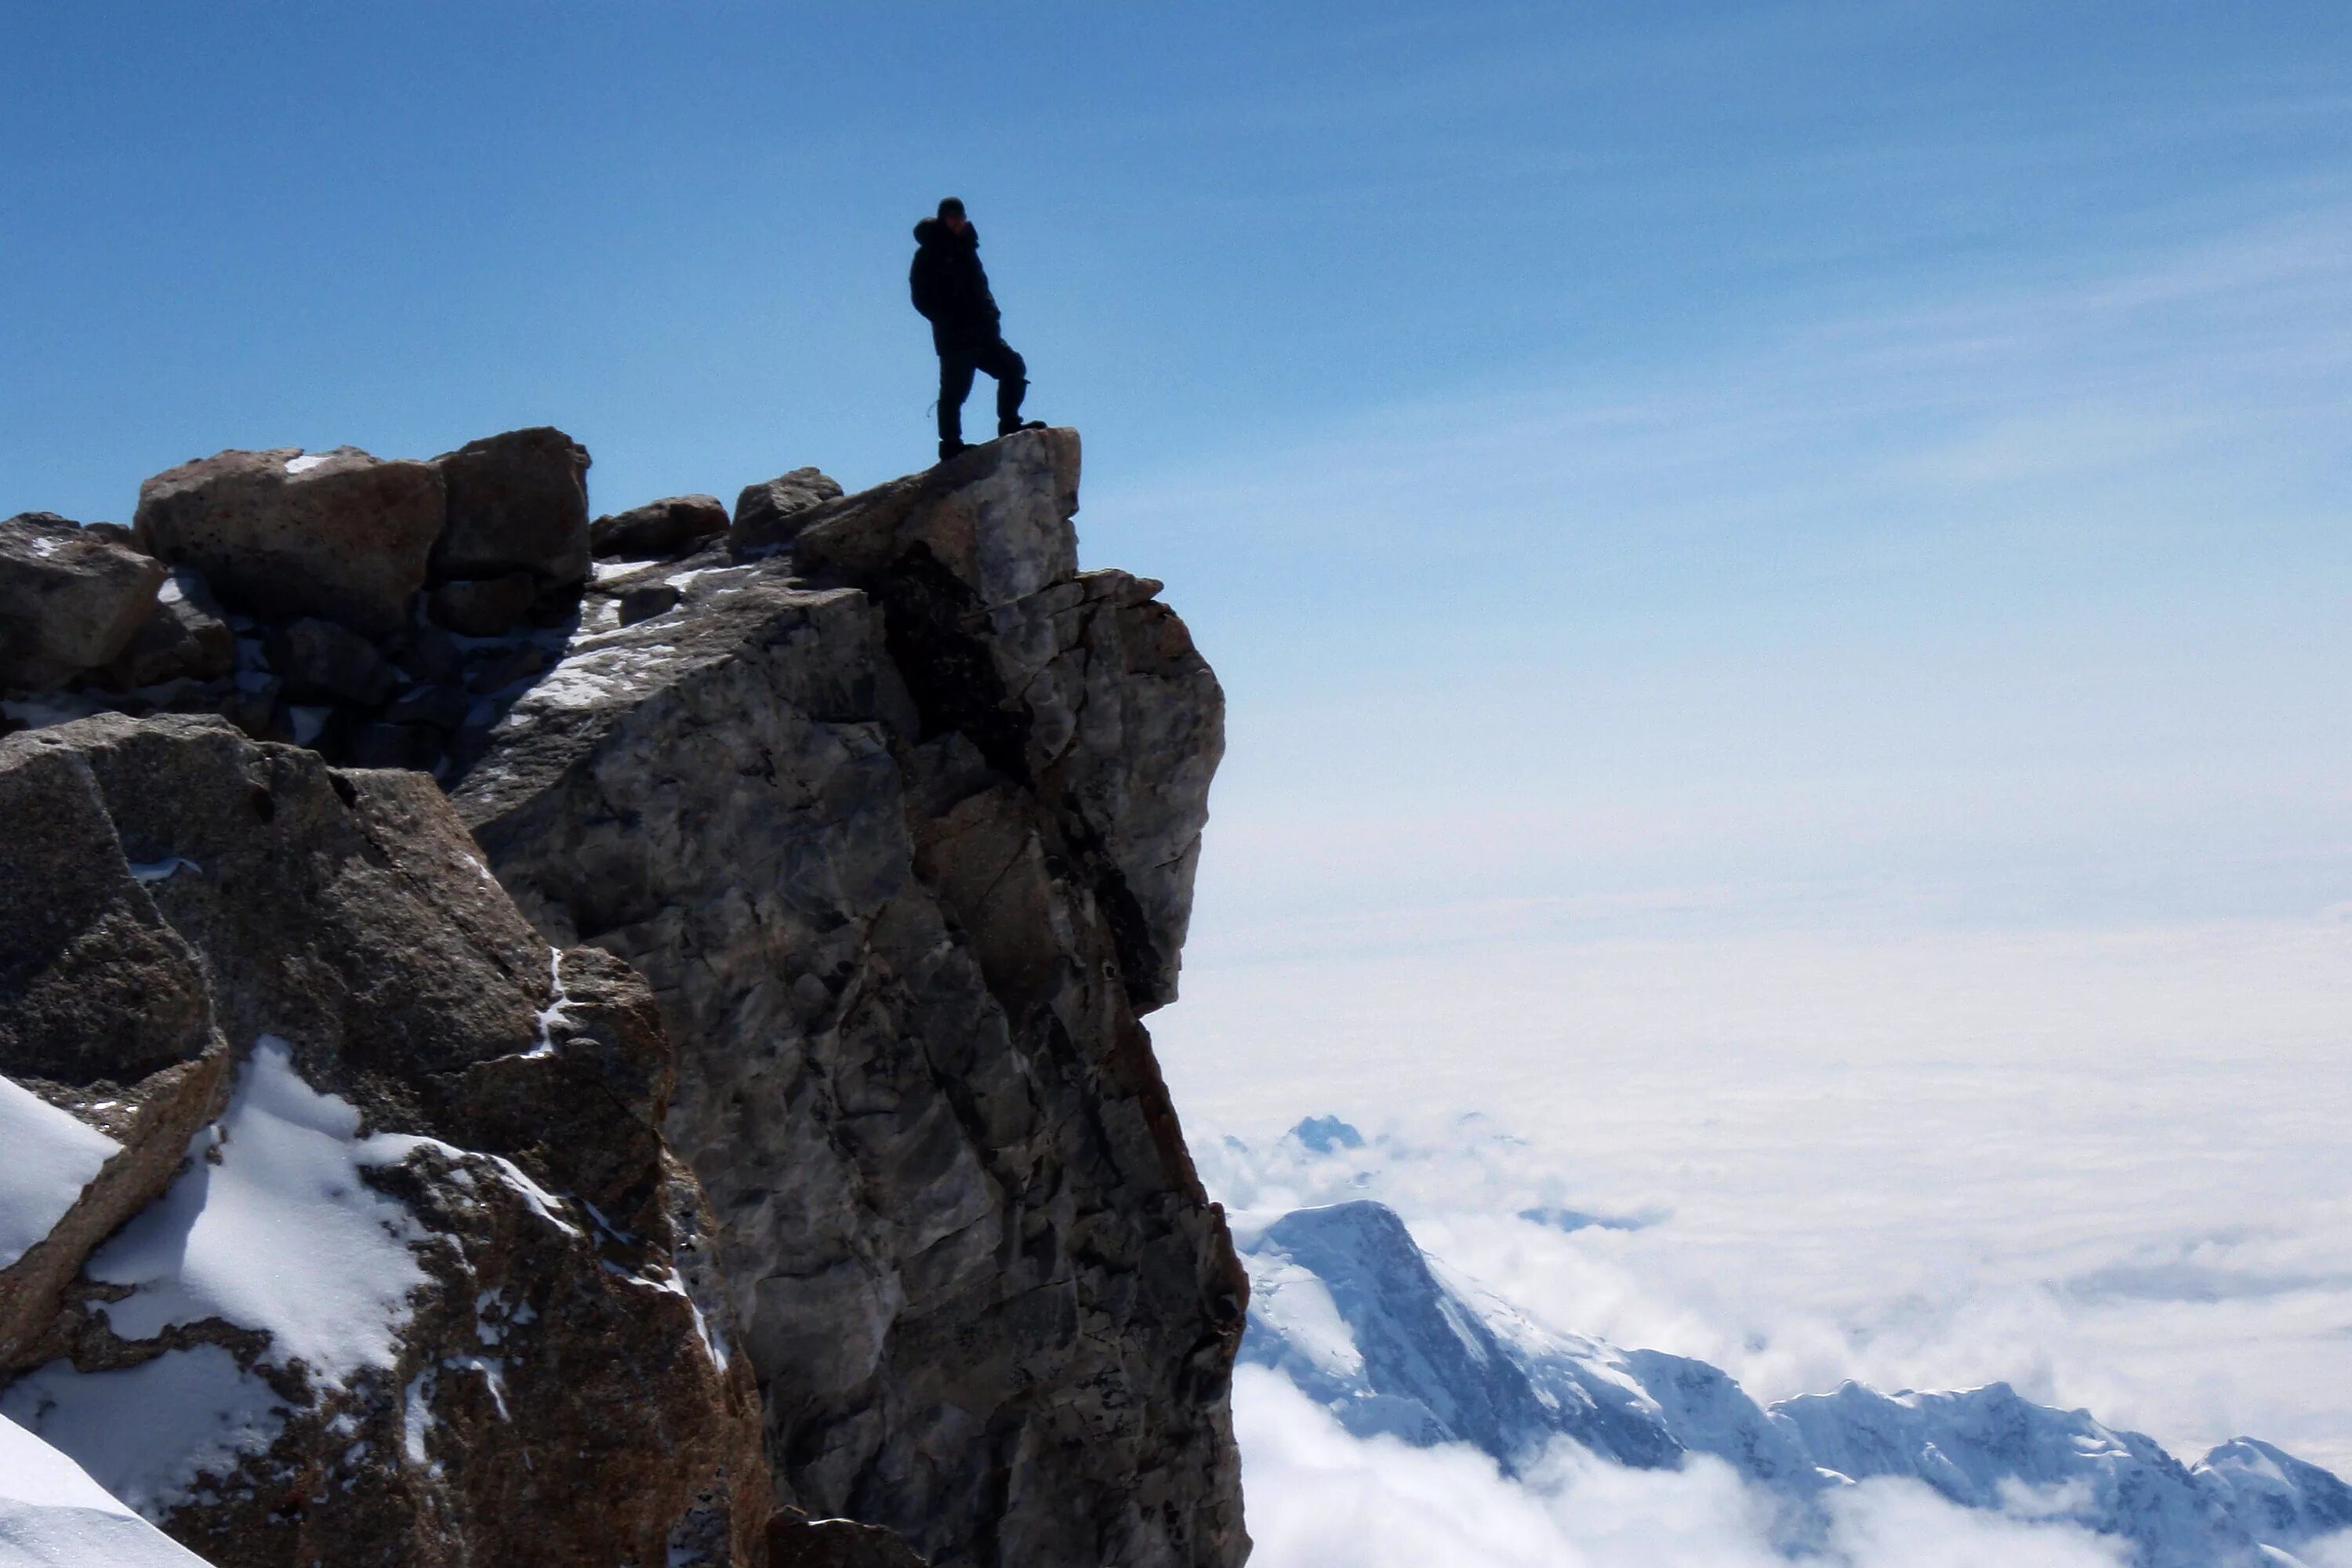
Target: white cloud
{"type": "Point", "coordinates": [1912, 1162]}
{"type": "Point", "coordinates": [1319, 1498]}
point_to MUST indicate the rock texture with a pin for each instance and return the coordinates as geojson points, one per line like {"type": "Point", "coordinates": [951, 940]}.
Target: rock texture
{"type": "Point", "coordinates": [69, 601]}
{"type": "Point", "coordinates": [764, 512]}
{"type": "Point", "coordinates": [518, 502]}
{"type": "Point", "coordinates": [427, 1287]}
{"type": "Point", "coordinates": [659, 528]}
{"type": "Point", "coordinates": [340, 535]}
{"type": "Point", "coordinates": [379, 613]}
{"type": "Point", "coordinates": [895, 811]}
{"type": "Point", "coordinates": [187, 638]}
{"type": "Point", "coordinates": [899, 823]}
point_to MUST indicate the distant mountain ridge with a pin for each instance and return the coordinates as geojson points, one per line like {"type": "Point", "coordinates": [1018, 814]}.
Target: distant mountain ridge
{"type": "Point", "coordinates": [1347, 1306]}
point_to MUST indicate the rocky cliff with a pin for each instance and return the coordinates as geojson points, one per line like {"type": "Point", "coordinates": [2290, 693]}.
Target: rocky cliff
{"type": "Point", "coordinates": [895, 813]}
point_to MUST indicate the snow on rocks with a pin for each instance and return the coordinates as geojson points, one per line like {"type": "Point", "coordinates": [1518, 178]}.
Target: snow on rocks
{"type": "Point", "coordinates": [271, 1226]}
{"type": "Point", "coordinates": [280, 1357]}
{"type": "Point", "coordinates": [51, 1157]}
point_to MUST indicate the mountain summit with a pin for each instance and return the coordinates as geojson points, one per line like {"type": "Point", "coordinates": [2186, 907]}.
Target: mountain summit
{"type": "Point", "coordinates": [515, 1055]}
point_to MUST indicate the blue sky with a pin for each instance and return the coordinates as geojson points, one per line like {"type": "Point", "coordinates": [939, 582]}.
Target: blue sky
{"type": "Point", "coordinates": [1814, 531]}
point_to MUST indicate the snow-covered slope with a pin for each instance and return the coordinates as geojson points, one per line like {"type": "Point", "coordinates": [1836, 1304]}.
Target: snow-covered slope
{"type": "Point", "coordinates": [1348, 1307]}
{"type": "Point", "coordinates": [52, 1515]}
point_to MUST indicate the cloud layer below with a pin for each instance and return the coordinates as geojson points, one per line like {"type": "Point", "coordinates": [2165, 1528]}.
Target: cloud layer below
{"type": "Point", "coordinates": [1319, 1498]}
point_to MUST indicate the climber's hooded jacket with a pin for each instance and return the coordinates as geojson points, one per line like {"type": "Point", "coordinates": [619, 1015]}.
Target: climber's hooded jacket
{"type": "Point", "coordinates": [950, 288]}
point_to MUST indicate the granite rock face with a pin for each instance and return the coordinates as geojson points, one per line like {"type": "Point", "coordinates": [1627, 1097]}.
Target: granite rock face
{"type": "Point", "coordinates": [899, 1257]}
{"type": "Point", "coordinates": [377, 1255]}
{"type": "Point", "coordinates": [69, 601]}
{"type": "Point", "coordinates": [339, 535]}
{"type": "Point", "coordinates": [896, 812]}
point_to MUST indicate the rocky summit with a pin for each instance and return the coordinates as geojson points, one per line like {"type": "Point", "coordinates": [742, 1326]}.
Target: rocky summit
{"type": "Point", "coordinates": [536, 1039]}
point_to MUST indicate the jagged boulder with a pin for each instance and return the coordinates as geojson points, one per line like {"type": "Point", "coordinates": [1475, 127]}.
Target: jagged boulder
{"type": "Point", "coordinates": [768, 513]}
{"type": "Point", "coordinates": [69, 601]}
{"type": "Point", "coordinates": [430, 1290]}
{"type": "Point", "coordinates": [660, 529]}
{"type": "Point", "coordinates": [516, 502]}
{"type": "Point", "coordinates": [989, 1304]}
{"type": "Point", "coordinates": [280, 534]}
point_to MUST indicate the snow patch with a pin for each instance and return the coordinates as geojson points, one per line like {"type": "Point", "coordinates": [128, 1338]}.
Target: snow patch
{"type": "Point", "coordinates": [53, 1515]}
{"type": "Point", "coordinates": [553, 1013]}
{"type": "Point", "coordinates": [1297, 1305]}
{"type": "Point", "coordinates": [416, 1415]}
{"type": "Point", "coordinates": [493, 1374]}
{"type": "Point", "coordinates": [588, 678]}
{"type": "Point", "coordinates": [50, 1156]}
{"type": "Point", "coordinates": [306, 462]}
{"type": "Point", "coordinates": [146, 1433]}
{"type": "Point", "coordinates": [280, 1234]}
{"type": "Point", "coordinates": [308, 721]}
{"type": "Point", "coordinates": [158, 870]}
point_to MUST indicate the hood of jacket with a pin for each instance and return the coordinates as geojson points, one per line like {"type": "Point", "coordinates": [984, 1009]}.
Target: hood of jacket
{"type": "Point", "coordinates": [932, 231]}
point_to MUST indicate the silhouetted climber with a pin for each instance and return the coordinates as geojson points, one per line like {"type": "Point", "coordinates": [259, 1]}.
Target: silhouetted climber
{"type": "Point", "coordinates": [951, 291]}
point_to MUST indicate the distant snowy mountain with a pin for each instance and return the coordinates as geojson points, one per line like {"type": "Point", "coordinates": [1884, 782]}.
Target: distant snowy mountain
{"type": "Point", "coordinates": [1346, 1306]}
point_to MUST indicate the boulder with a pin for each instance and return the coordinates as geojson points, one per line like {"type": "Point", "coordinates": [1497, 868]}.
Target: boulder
{"type": "Point", "coordinates": [322, 662]}
{"type": "Point", "coordinates": [113, 533]}
{"type": "Point", "coordinates": [661, 529]}
{"type": "Point", "coordinates": [283, 534]}
{"type": "Point", "coordinates": [69, 601]}
{"type": "Point", "coordinates": [990, 1307]}
{"type": "Point", "coordinates": [518, 502]}
{"type": "Point", "coordinates": [995, 519]}
{"type": "Point", "coordinates": [486, 607]}
{"type": "Point", "coordinates": [434, 1292]}
{"type": "Point", "coordinates": [766, 513]}
{"type": "Point", "coordinates": [187, 638]}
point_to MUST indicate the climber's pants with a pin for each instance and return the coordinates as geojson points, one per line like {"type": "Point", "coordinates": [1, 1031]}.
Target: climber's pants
{"type": "Point", "coordinates": [956, 368]}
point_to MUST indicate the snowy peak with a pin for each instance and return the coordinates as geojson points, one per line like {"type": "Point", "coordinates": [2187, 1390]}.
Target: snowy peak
{"type": "Point", "coordinates": [1348, 1307]}
{"type": "Point", "coordinates": [1987, 1447]}
{"type": "Point", "coordinates": [2279, 1496]}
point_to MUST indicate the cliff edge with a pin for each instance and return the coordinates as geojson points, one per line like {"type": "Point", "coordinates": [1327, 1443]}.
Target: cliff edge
{"type": "Point", "coordinates": [895, 811]}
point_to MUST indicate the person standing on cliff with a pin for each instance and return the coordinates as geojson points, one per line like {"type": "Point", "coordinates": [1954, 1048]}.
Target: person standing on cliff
{"type": "Point", "coordinates": [951, 290]}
